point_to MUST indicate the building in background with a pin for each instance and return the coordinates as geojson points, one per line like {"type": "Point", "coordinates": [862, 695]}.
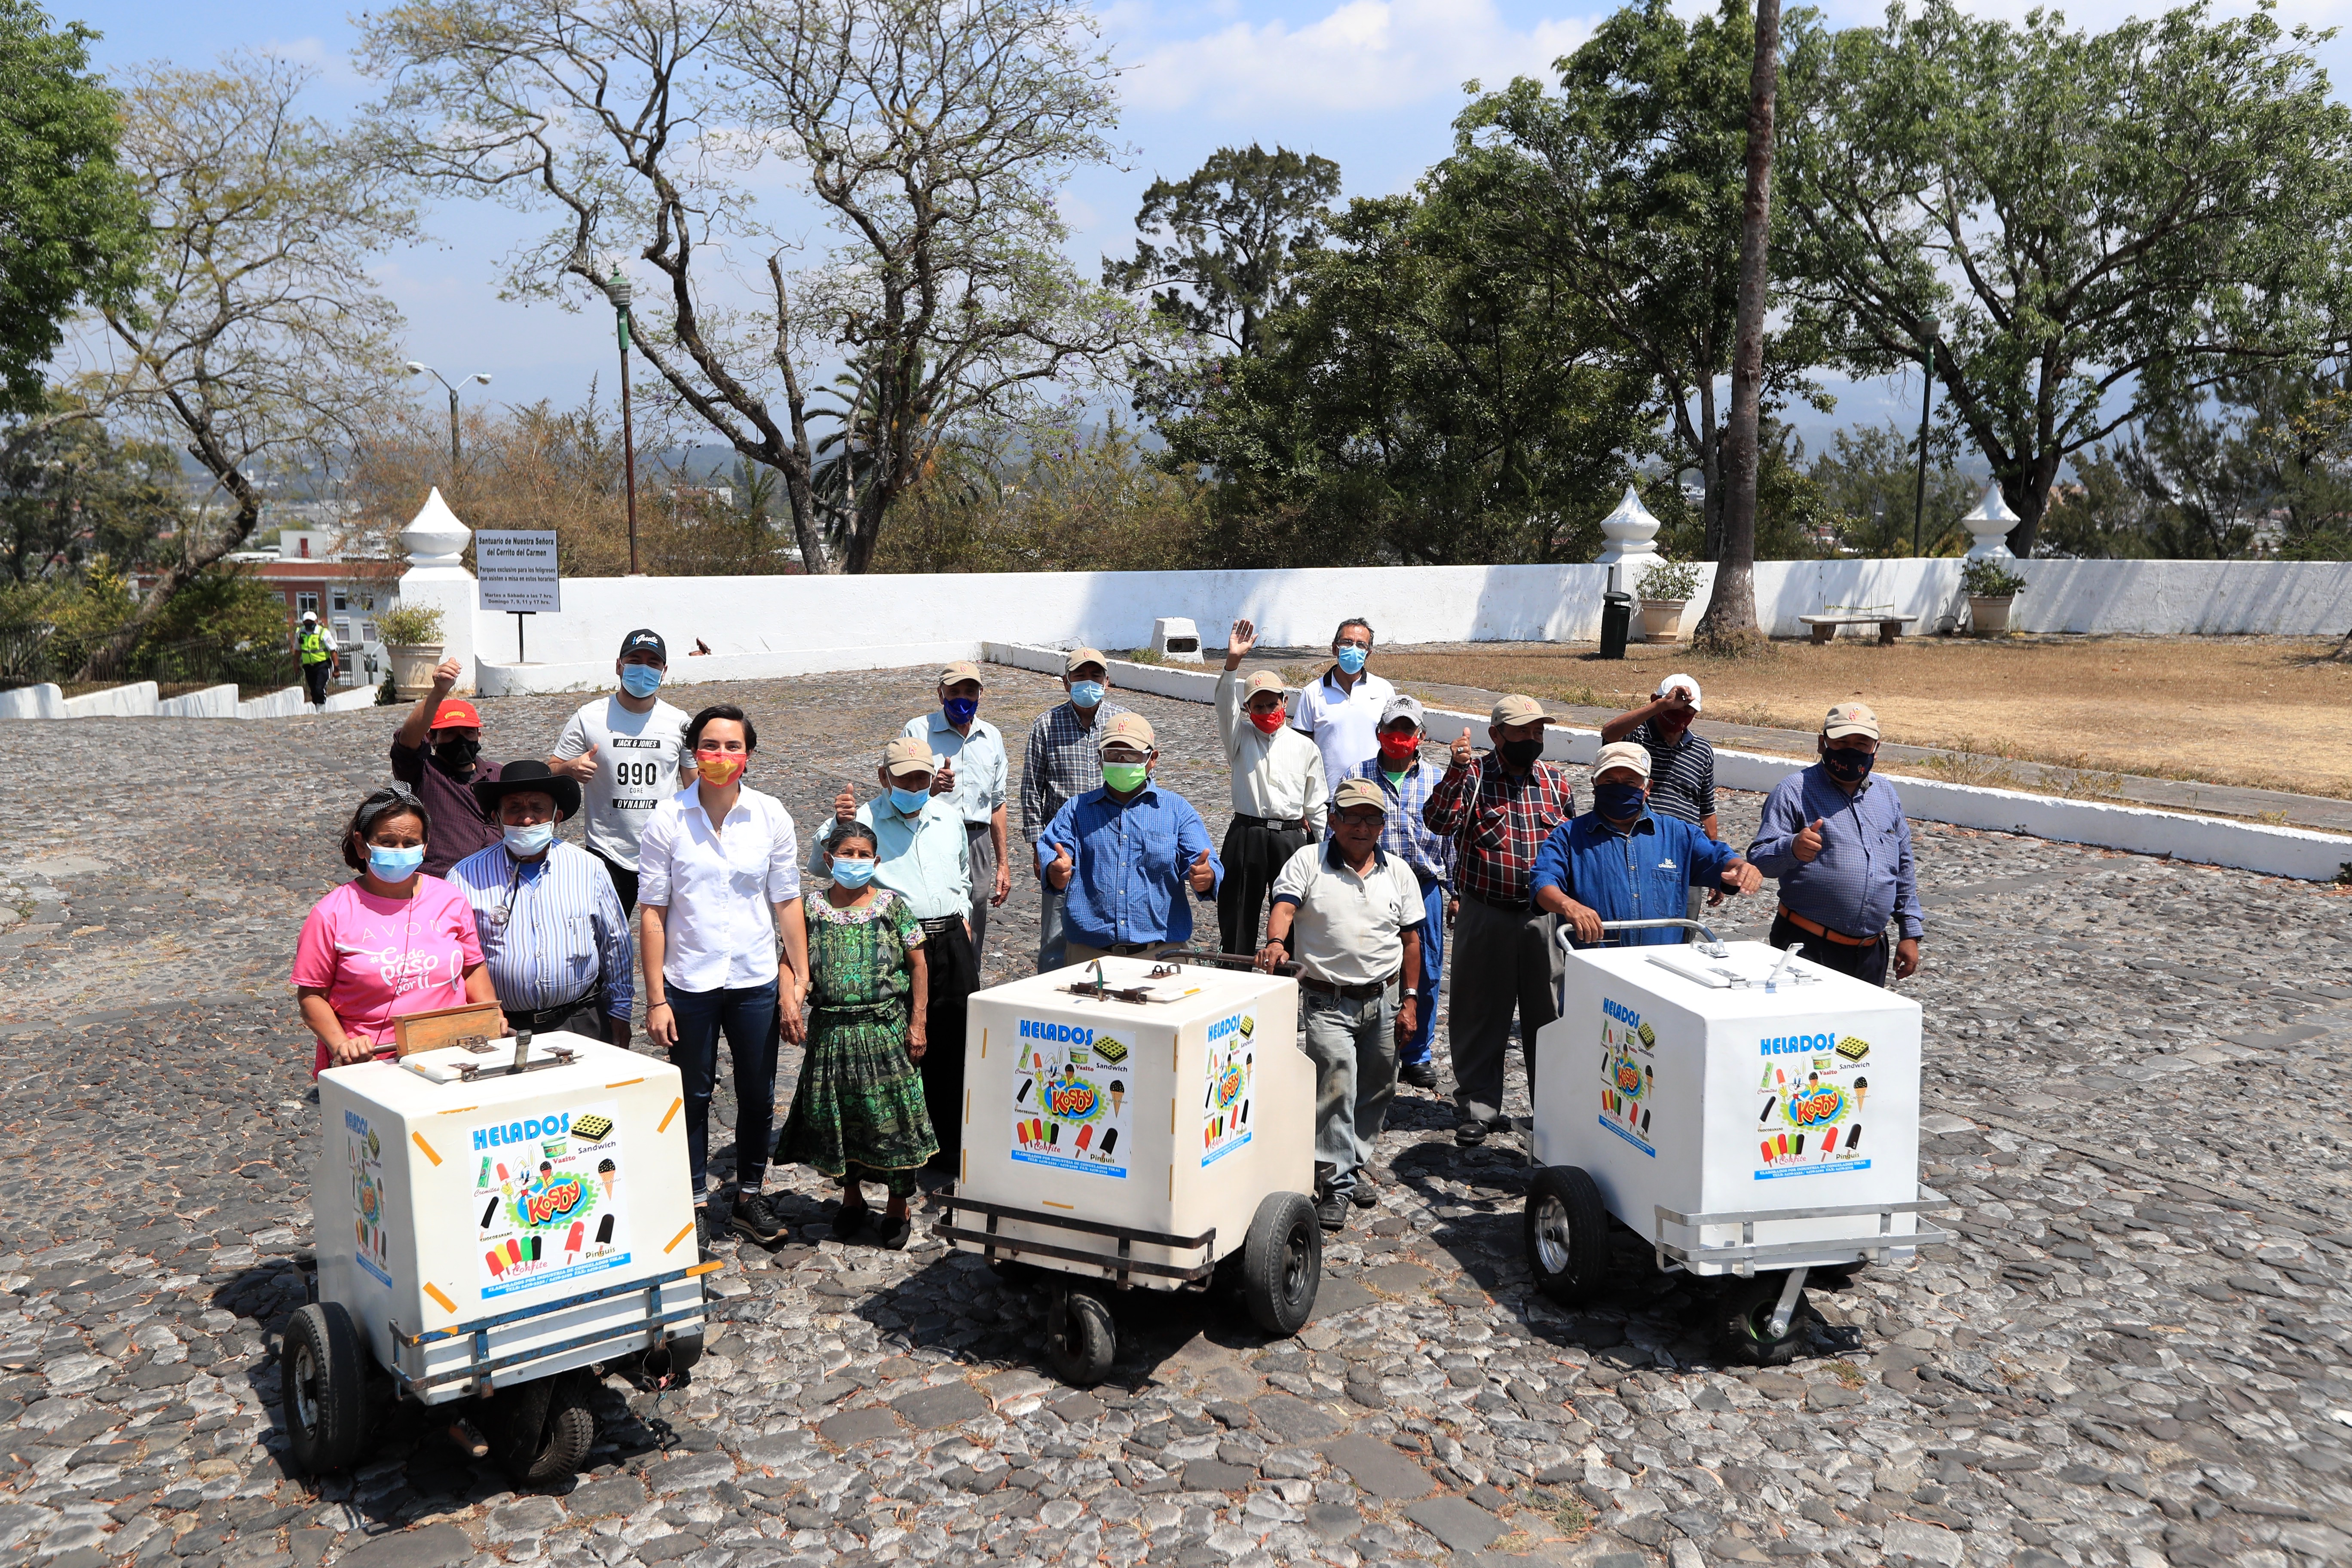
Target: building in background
{"type": "Point", "coordinates": [347, 578]}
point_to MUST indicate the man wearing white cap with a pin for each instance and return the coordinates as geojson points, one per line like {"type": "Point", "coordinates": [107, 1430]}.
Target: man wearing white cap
{"type": "Point", "coordinates": [1622, 861]}
{"type": "Point", "coordinates": [1682, 764]}
{"type": "Point", "coordinates": [1840, 845]}
{"type": "Point", "coordinates": [1280, 790]}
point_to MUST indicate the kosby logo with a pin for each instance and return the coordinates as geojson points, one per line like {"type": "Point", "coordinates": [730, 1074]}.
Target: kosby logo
{"type": "Point", "coordinates": [1795, 1045]}
{"type": "Point", "coordinates": [1058, 1034]}
{"type": "Point", "coordinates": [1812, 1107]}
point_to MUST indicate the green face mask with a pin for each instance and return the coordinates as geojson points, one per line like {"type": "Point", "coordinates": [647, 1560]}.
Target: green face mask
{"type": "Point", "coordinates": [1126, 776]}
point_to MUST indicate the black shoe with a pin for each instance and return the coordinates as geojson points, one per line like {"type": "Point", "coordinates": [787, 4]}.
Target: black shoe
{"type": "Point", "coordinates": [702, 1231]}
{"type": "Point", "coordinates": [890, 1237]}
{"type": "Point", "coordinates": [854, 1226]}
{"type": "Point", "coordinates": [754, 1218]}
{"type": "Point", "coordinates": [1362, 1195]}
{"type": "Point", "coordinates": [1471, 1133]}
{"type": "Point", "coordinates": [1420, 1075]}
{"type": "Point", "coordinates": [1333, 1213]}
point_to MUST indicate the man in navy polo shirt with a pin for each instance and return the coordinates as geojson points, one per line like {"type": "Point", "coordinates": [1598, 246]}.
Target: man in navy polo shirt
{"type": "Point", "coordinates": [1621, 861]}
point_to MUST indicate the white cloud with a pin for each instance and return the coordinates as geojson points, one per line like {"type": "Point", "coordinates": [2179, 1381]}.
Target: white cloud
{"type": "Point", "coordinates": [1363, 55]}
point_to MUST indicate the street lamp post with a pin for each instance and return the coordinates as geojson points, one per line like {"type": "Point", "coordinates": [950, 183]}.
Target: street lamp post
{"type": "Point", "coordinates": [1927, 394]}
{"type": "Point", "coordinates": [619, 291]}
{"type": "Point", "coordinates": [418, 368]}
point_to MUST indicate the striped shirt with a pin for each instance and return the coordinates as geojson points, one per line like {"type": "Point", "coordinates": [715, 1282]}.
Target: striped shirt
{"type": "Point", "coordinates": [551, 929]}
{"type": "Point", "coordinates": [1682, 776]}
{"type": "Point", "coordinates": [1063, 762]}
{"type": "Point", "coordinates": [1405, 835]}
{"type": "Point", "coordinates": [1499, 821]}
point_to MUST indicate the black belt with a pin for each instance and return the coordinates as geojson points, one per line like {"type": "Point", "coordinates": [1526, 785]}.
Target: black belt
{"type": "Point", "coordinates": [545, 1015]}
{"type": "Point", "coordinates": [1519, 908]}
{"type": "Point", "coordinates": [1274, 824]}
{"type": "Point", "coordinates": [934, 927]}
{"type": "Point", "coordinates": [1127, 948]}
{"type": "Point", "coordinates": [1322, 987]}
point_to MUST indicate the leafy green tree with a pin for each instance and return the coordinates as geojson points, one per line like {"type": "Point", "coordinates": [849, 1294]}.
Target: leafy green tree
{"type": "Point", "coordinates": [2106, 224]}
{"type": "Point", "coordinates": [74, 496]}
{"type": "Point", "coordinates": [1235, 230]}
{"type": "Point", "coordinates": [1869, 484]}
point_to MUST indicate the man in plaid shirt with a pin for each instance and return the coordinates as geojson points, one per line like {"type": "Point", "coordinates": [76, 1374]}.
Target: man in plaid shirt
{"type": "Point", "coordinates": [1498, 809]}
{"type": "Point", "coordinates": [1407, 780]}
{"type": "Point", "coordinates": [1063, 761]}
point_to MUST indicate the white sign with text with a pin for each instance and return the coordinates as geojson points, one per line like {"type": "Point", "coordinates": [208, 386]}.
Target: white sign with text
{"type": "Point", "coordinates": [516, 571]}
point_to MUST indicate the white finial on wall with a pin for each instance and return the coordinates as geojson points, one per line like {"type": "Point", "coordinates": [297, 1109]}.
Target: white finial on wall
{"type": "Point", "coordinates": [434, 537]}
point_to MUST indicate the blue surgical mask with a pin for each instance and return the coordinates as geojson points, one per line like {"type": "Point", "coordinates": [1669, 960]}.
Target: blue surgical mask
{"type": "Point", "coordinates": [1351, 658]}
{"type": "Point", "coordinates": [1085, 693]}
{"type": "Point", "coordinates": [852, 873]}
{"type": "Point", "coordinates": [395, 865]}
{"type": "Point", "coordinates": [960, 709]}
{"type": "Point", "coordinates": [640, 680]}
{"type": "Point", "coordinates": [907, 801]}
{"type": "Point", "coordinates": [523, 843]}
{"type": "Point", "coordinates": [1617, 801]}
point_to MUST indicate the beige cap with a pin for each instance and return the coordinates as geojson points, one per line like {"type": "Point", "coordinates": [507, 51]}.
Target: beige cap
{"type": "Point", "coordinates": [1261, 681]}
{"type": "Point", "coordinates": [961, 670]}
{"type": "Point", "coordinates": [1078, 658]}
{"type": "Point", "coordinates": [908, 755]}
{"type": "Point", "coordinates": [1689, 686]}
{"type": "Point", "coordinates": [1850, 719]}
{"type": "Point", "coordinates": [1517, 709]}
{"type": "Point", "coordinates": [1622, 754]}
{"type": "Point", "coordinates": [1360, 791]}
{"type": "Point", "coordinates": [1125, 730]}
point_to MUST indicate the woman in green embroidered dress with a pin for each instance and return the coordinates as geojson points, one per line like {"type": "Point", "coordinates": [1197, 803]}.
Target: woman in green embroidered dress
{"type": "Point", "coordinates": [858, 1114]}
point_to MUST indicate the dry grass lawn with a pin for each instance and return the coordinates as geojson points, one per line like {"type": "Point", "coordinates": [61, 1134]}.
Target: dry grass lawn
{"type": "Point", "coordinates": [2278, 708]}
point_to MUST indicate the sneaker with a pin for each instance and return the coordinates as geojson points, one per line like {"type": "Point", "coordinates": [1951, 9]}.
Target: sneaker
{"type": "Point", "coordinates": [754, 1218]}
{"type": "Point", "coordinates": [1470, 1133]}
{"type": "Point", "coordinates": [1333, 1212]}
{"type": "Point", "coordinates": [1420, 1075]}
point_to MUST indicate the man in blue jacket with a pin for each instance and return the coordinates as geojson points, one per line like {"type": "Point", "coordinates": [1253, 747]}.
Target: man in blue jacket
{"type": "Point", "coordinates": [1620, 861]}
{"type": "Point", "coordinates": [1840, 845]}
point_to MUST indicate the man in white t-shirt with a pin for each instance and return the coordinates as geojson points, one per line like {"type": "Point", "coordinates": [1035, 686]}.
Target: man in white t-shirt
{"type": "Point", "coordinates": [626, 749]}
{"type": "Point", "coordinates": [1341, 712]}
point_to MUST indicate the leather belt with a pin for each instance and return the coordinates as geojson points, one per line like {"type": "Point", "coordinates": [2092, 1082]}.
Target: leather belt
{"type": "Point", "coordinates": [536, 1020]}
{"type": "Point", "coordinates": [1817, 928]}
{"type": "Point", "coordinates": [1322, 987]}
{"type": "Point", "coordinates": [1277, 823]}
{"type": "Point", "coordinates": [940, 923]}
{"type": "Point", "coordinates": [1519, 908]}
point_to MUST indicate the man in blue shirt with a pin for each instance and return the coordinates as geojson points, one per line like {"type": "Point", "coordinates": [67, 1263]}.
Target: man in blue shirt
{"type": "Point", "coordinates": [1621, 861]}
{"type": "Point", "coordinates": [1126, 854]}
{"type": "Point", "coordinates": [1838, 843]}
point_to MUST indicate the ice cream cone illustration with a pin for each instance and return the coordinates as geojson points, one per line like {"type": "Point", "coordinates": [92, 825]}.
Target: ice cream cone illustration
{"type": "Point", "coordinates": [1861, 1091]}
{"type": "Point", "coordinates": [605, 1172]}
{"type": "Point", "coordinates": [1118, 1093]}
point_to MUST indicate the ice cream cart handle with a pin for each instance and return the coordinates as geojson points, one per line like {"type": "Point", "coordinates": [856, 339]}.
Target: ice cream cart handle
{"type": "Point", "coordinates": [1707, 943]}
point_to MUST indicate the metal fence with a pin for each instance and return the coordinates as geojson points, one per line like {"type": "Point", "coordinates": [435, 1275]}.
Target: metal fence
{"type": "Point", "coordinates": [31, 654]}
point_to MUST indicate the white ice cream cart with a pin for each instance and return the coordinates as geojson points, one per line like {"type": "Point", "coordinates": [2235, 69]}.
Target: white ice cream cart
{"type": "Point", "coordinates": [1748, 1113]}
{"type": "Point", "coordinates": [492, 1217]}
{"type": "Point", "coordinates": [1140, 1122]}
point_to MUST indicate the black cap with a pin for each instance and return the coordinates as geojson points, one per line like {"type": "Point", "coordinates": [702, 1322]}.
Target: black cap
{"type": "Point", "coordinates": [529, 773]}
{"type": "Point", "coordinates": [645, 637]}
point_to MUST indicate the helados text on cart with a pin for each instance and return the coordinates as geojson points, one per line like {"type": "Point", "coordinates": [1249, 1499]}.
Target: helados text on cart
{"type": "Point", "coordinates": [529, 1130]}
{"type": "Point", "coordinates": [1797, 1044]}
{"type": "Point", "coordinates": [1058, 1034]}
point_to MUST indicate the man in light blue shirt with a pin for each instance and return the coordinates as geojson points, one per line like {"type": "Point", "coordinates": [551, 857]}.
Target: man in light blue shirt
{"type": "Point", "coordinates": [1126, 854]}
{"type": "Point", "coordinates": [1840, 845]}
{"type": "Point", "coordinates": [972, 770]}
{"type": "Point", "coordinates": [922, 846]}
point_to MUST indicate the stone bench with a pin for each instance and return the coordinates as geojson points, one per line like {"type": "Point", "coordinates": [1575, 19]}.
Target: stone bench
{"type": "Point", "coordinates": [1824, 626]}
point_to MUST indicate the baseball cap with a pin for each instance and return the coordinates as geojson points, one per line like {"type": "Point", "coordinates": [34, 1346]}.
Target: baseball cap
{"type": "Point", "coordinates": [1517, 709]}
{"type": "Point", "coordinates": [310, 614]}
{"type": "Point", "coordinates": [455, 713]}
{"type": "Point", "coordinates": [1261, 681]}
{"type": "Point", "coordinates": [961, 670]}
{"type": "Point", "coordinates": [1360, 791]}
{"type": "Point", "coordinates": [1125, 729]}
{"type": "Point", "coordinates": [1402, 706]}
{"type": "Point", "coordinates": [1078, 658]}
{"type": "Point", "coordinates": [1686, 682]}
{"type": "Point", "coordinates": [1850, 719]}
{"type": "Point", "coordinates": [1622, 754]}
{"type": "Point", "coordinates": [646, 639]}
{"type": "Point", "coordinates": [908, 755]}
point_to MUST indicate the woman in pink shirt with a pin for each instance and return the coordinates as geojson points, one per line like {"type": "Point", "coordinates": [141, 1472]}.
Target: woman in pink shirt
{"type": "Point", "coordinates": [393, 942]}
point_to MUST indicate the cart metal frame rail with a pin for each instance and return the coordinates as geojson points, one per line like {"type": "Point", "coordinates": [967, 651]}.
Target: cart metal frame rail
{"type": "Point", "coordinates": [477, 1370]}
{"type": "Point", "coordinates": [1125, 1264]}
{"type": "Point", "coordinates": [1748, 1252]}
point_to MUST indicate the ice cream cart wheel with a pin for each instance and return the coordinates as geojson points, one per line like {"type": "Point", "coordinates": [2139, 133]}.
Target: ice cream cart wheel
{"type": "Point", "coordinates": [1081, 1339]}
{"type": "Point", "coordinates": [322, 1375]}
{"type": "Point", "coordinates": [542, 1431]}
{"type": "Point", "coordinates": [1567, 1234]}
{"type": "Point", "coordinates": [1747, 1309]}
{"type": "Point", "coordinates": [1282, 1262]}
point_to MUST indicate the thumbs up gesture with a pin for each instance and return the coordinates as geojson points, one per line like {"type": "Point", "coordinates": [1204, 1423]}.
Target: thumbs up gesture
{"type": "Point", "coordinates": [844, 805]}
{"type": "Point", "coordinates": [1809, 840]}
{"type": "Point", "coordinates": [1058, 872]}
{"type": "Point", "coordinates": [583, 766]}
{"type": "Point", "coordinates": [1203, 878]}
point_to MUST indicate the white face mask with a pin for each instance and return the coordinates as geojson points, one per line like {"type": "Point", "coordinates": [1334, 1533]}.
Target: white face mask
{"type": "Point", "coordinates": [525, 842]}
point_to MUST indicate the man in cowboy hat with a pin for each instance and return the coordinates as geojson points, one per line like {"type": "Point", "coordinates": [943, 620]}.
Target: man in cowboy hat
{"type": "Point", "coordinates": [552, 930]}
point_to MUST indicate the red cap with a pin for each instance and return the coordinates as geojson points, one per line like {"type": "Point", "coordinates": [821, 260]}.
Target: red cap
{"type": "Point", "coordinates": [456, 714]}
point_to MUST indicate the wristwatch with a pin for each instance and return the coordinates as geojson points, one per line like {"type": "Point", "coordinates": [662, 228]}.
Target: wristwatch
{"type": "Point", "coordinates": [1408, 995]}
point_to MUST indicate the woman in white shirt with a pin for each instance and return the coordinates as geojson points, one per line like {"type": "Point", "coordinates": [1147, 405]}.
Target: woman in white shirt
{"type": "Point", "coordinates": [719, 881]}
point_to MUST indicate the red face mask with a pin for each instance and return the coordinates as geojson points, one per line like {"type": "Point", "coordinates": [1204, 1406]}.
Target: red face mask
{"type": "Point", "coordinates": [1399, 749]}
{"type": "Point", "coordinates": [1268, 721]}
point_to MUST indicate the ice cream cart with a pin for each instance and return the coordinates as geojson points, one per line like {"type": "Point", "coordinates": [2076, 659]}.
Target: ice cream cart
{"type": "Point", "coordinates": [1138, 1123]}
{"type": "Point", "coordinates": [493, 1217]}
{"type": "Point", "coordinates": [1751, 1114]}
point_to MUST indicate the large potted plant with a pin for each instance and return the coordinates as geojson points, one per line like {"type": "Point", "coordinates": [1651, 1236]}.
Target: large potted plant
{"type": "Point", "coordinates": [1993, 588]}
{"type": "Point", "coordinates": [411, 642]}
{"type": "Point", "coordinates": [1664, 589]}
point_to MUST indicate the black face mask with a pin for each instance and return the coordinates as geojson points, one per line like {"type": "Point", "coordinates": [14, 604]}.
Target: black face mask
{"type": "Point", "coordinates": [1520, 754]}
{"type": "Point", "coordinates": [1848, 766]}
{"type": "Point", "coordinates": [455, 756]}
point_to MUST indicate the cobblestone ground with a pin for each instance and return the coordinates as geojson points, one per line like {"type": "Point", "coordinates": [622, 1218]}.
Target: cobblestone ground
{"type": "Point", "coordinates": [2134, 1356]}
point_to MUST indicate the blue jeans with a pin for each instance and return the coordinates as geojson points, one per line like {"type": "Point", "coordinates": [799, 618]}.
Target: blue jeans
{"type": "Point", "coordinates": [748, 1014]}
{"type": "Point", "coordinates": [1416, 1047]}
{"type": "Point", "coordinates": [1053, 940]}
{"type": "Point", "coordinates": [1352, 1043]}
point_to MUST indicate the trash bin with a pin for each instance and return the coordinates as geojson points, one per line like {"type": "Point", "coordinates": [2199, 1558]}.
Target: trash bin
{"type": "Point", "coordinates": [1616, 622]}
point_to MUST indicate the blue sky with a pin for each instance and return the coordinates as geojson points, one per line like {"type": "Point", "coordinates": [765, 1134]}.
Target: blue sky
{"type": "Point", "coordinates": [1372, 84]}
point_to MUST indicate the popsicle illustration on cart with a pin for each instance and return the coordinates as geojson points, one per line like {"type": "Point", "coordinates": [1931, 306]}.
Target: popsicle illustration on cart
{"type": "Point", "coordinates": [549, 1194]}
{"type": "Point", "coordinates": [1629, 1075]}
{"type": "Point", "coordinates": [364, 1151]}
{"type": "Point", "coordinates": [1229, 1096]}
{"type": "Point", "coordinates": [1810, 1103]}
{"type": "Point", "coordinates": [1069, 1100]}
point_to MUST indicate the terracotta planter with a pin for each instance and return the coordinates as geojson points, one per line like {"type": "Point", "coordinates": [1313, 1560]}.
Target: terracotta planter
{"type": "Point", "coordinates": [413, 665]}
{"type": "Point", "coordinates": [1661, 619]}
{"type": "Point", "coordinates": [1988, 615]}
